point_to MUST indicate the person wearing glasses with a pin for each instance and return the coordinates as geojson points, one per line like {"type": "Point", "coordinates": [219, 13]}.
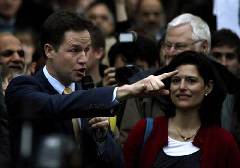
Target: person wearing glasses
{"type": "Point", "coordinates": [226, 49]}
{"type": "Point", "coordinates": [186, 32]}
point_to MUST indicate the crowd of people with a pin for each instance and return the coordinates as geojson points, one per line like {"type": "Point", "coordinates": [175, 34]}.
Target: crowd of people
{"type": "Point", "coordinates": [122, 83]}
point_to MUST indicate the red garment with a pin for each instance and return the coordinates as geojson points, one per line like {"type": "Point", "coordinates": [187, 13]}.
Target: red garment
{"type": "Point", "coordinates": [217, 146]}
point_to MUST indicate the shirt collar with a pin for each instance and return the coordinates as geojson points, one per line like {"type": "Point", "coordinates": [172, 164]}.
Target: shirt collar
{"type": "Point", "coordinates": [58, 86]}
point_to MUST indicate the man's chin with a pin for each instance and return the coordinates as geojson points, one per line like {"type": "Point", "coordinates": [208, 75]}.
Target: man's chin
{"type": "Point", "coordinates": [78, 78]}
{"type": "Point", "coordinates": [16, 71]}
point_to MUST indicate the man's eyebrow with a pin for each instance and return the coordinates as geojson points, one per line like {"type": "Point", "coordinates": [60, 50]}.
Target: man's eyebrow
{"type": "Point", "coordinates": [80, 45]}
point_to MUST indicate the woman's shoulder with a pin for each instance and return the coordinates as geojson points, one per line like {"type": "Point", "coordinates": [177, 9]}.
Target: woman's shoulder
{"type": "Point", "coordinates": [220, 134]}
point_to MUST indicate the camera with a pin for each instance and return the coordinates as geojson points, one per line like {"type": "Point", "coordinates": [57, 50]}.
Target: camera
{"type": "Point", "coordinates": [124, 73]}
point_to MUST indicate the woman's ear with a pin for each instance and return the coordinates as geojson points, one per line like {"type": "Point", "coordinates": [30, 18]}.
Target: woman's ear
{"type": "Point", "coordinates": [209, 87]}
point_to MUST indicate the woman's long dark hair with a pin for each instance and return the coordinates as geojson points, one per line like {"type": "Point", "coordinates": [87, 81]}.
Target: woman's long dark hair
{"type": "Point", "coordinates": [210, 110]}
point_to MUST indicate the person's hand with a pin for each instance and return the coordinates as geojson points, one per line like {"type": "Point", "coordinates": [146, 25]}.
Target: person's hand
{"type": "Point", "coordinates": [99, 122]}
{"type": "Point", "coordinates": [149, 86]}
{"type": "Point", "coordinates": [109, 77]}
{"type": "Point", "coordinates": [100, 126]}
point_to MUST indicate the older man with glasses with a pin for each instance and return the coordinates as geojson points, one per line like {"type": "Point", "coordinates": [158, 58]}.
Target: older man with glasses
{"type": "Point", "coordinates": [186, 32]}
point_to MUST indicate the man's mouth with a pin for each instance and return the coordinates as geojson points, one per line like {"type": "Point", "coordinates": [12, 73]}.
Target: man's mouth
{"type": "Point", "coordinates": [80, 71]}
{"type": "Point", "coordinates": [15, 66]}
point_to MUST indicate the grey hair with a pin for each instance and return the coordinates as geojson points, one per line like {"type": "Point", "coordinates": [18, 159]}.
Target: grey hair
{"type": "Point", "coordinates": [200, 28]}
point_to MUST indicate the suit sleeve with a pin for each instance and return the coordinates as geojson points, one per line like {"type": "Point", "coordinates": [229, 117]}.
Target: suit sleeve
{"type": "Point", "coordinates": [26, 97]}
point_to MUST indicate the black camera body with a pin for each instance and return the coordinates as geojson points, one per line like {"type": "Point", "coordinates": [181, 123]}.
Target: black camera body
{"type": "Point", "coordinates": [124, 73]}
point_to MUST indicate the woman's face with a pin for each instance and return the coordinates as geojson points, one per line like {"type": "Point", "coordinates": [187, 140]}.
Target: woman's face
{"type": "Point", "coordinates": [187, 88]}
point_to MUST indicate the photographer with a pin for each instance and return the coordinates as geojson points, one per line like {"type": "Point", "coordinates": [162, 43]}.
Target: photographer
{"type": "Point", "coordinates": [132, 54]}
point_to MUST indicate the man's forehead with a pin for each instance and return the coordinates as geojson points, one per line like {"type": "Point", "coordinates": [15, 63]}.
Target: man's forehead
{"type": "Point", "coordinates": [224, 48]}
{"type": "Point", "coordinates": [181, 33]}
{"type": "Point", "coordinates": [78, 38]}
{"type": "Point", "coordinates": [155, 4]}
{"type": "Point", "coordinates": [9, 41]}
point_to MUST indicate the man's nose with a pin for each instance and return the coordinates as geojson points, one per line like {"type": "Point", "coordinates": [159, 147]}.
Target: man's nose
{"type": "Point", "coordinates": [16, 57]}
{"type": "Point", "coordinates": [223, 60]}
{"type": "Point", "coordinates": [83, 58]}
{"type": "Point", "coordinates": [171, 50]}
{"type": "Point", "coordinates": [151, 18]}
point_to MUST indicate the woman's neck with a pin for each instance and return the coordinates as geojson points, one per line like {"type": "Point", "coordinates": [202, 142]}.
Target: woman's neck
{"type": "Point", "coordinates": [186, 120]}
{"type": "Point", "coordinates": [184, 125]}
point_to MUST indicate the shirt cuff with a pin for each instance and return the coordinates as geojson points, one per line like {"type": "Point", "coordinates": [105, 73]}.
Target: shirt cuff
{"type": "Point", "coordinates": [115, 95]}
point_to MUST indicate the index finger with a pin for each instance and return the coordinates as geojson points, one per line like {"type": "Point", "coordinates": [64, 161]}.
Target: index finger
{"type": "Point", "coordinates": [109, 70]}
{"type": "Point", "coordinates": [168, 74]}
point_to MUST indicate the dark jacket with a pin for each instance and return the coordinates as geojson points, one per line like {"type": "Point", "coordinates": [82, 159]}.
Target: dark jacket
{"type": "Point", "coordinates": [4, 132]}
{"type": "Point", "coordinates": [33, 99]}
{"type": "Point", "coordinates": [217, 147]}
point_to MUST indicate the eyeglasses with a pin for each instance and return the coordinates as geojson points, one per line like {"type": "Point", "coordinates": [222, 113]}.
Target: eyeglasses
{"type": "Point", "coordinates": [179, 46]}
{"type": "Point", "coordinates": [8, 53]}
{"type": "Point", "coordinates": [229, 55]}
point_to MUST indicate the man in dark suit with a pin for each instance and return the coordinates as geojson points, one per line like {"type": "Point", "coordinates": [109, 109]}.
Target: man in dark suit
{"type": "Point", "coordinates": [65, 40]}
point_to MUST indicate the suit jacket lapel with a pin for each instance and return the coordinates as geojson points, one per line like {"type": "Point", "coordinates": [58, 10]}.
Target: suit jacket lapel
{"type": "Point", "coordinates": [49, 89]}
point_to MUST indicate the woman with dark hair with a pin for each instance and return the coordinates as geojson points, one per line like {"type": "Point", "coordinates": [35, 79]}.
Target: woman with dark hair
{"type": "Point", "coordinates": [189, 135]}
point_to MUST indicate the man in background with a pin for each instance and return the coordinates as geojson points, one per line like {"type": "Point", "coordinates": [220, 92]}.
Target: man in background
{"type": "Point", "coordinates": [226, 49]}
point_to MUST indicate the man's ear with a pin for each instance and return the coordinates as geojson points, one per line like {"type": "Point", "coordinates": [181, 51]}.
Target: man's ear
{"type": "Point", "coordinates": [205, 47]}
{"type": "Point", "coordinates": [209, 87]}
{"type": "Point", "coordinates": [99, 53]}
{"type": "Point", "coordinates": [49, 50]}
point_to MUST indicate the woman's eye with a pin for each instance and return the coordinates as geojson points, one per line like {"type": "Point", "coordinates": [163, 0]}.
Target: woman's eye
{"type": "Point", "coordinates": [175, 80]}
{"type": "Point", "coordinates": [190, 80]}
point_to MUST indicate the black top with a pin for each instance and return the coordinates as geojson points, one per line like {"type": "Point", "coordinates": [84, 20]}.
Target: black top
{"type": "Point", "coordinates": [186, 161]}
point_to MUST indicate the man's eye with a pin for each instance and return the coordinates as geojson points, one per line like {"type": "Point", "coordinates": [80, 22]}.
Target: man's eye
{"type": "Point", "coordinates": [231, 56]}
{"type": "Point", "coordinates": [76, 50]}
{"type": "Point", "coordinates": [6, 53]}
{"type": "Point", "coordinates": [167, 45]}
{"type": "Point", "coordinates": [180, 46]}
{"type": "Point", "coordinates": [217, 55]}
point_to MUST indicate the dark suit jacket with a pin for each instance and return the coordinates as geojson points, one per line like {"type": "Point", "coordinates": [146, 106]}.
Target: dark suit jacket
{"type": "Point", "coordinates": [4, 132]}
{"type": "Point", "coordinates": [32, 98]}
